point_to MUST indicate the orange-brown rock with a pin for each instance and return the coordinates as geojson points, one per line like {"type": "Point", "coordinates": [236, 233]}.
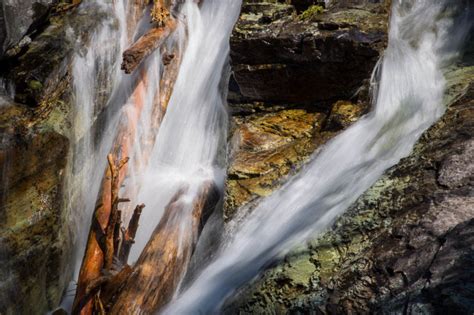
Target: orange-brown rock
{"type": "Point", "coordinates": [264, 149]}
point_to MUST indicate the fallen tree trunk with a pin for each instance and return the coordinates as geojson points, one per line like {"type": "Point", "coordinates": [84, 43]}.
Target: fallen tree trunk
{"type": "Point", "coordinates": [145, 45]}
{"type": "Point", "coordinates": [163, 262]}
{"type": "Point", "coordinates": [97, 248]}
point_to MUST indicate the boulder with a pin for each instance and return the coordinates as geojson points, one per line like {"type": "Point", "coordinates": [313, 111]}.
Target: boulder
{"type": "Point", "coordinates": [265, 149]}
{"type": "Point", "coordinates": [287, 96]}
{"type": "Point", "coordinates": [280, 56]}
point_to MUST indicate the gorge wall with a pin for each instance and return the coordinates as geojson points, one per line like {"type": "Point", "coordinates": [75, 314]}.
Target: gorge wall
{"type": "Point", "coordinates": [300, 75]}
{"type": "Point", "coordinates": [36, 144]}
{"type": "Point", "coordinates": [406, 245]}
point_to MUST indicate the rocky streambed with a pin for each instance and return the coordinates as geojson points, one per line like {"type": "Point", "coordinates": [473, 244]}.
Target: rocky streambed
{"type": "Point", "coordinates": [300, 75]}
{"type": "Point", "coordinates": [406, 245]}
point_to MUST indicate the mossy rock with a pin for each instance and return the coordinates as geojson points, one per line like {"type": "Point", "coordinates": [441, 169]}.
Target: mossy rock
{"type": "Point", "coordinates": [311, 13]}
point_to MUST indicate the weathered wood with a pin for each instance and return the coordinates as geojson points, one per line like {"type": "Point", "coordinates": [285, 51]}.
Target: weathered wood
{"type": "Point", "coordinates": [114, 217]}
{"type": "Point", "coordinates": [93, 261]}
{"type": "Point", "coordinates": [106, 223]}
{"type": "Point", "coordinates": [163, 262]}
{"type": "Point", "coordinates": [129, 234]}
{"type": "Point", "coordinates": [145, 45]}
{"type": "Point", "coordinates": [160, 13]}
{"type": "Point", "coordinates": [99, 248]}
{"type": "Point", "coordinates": [114, 284]}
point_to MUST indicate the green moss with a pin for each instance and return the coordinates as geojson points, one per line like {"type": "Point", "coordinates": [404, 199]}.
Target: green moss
{"type": "Point", "coordinates": [311, 12]}
{"type": "Point", "coordinates": [35, 85]}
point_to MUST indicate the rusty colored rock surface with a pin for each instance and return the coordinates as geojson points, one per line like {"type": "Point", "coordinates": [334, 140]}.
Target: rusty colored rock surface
{"type": "Point", "coordinates": [343, 114]}
{"type": "Point", "coordinates": [286, 77]}
{"type": "Point", "coordinates": [406, 245]}
{"type": "Point", "coordinates": [34, 238]}
{"type": "Point", "coordinates": [264, 149]}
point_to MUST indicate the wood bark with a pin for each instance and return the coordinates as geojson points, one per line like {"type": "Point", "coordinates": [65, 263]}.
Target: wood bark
{"type": "Point", "coordinates": [128, 237]}
{"type": "Point", "coordinates": [145, 45]}
{"type": "Point", "coordinates": [96, 252]}
{"type": "Point", "coordinates": [99, 246]}
{"type": "Point", "coordinates": [163, 262]}
{"type": "Point", "coordinates": [160, 12]}
{"type": "Point", "coordinates": [98, 282]}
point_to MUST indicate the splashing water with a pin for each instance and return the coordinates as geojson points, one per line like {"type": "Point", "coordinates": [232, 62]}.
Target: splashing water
{"type": "Point", "coordinates": [408, 101]}
{"type": "Point", "coordinates": [103, 97]}
{"type": "Point", "coordinates": [186, 152]}
{"type": "Point", "coordinates": [92, 66]}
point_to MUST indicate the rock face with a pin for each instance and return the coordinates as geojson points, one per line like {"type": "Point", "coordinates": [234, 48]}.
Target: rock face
{"type": "Point", "coordinates": [19, 18]}
{"type": "Point", "coordinates": [35, 143]}
{"type": "Point", "coordinates": [287, 95]}
{"type": "Point", "coordinates": [311, 58]}
{"type": "Point", "coordinates": [406, 245]}
{"type": "Point", "coordinates": [34, 238]}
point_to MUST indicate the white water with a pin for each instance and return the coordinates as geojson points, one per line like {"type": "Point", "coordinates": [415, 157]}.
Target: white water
{"type": "Point", "coordinates": [408, 101]}
{"type": "Point", "coordinates": [95, 72]}
{"type": "Point", "coordinates": [100, 87]}
{"type": "Point", "coordinates": [193, 131]}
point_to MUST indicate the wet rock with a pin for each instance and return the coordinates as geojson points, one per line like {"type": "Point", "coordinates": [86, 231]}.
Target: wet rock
{"type": "Point", "coordinates": [264, 149]}
{"type": "Point", "coordinates": [18, 18]}
{"type": "Point", "coordinates": [279, 57]}
{"type": "Point", "coordinates": [36, 138]}
{"type": "Point", "coordinates": [42, 73]}
{"type": "Point", "coordinates": [406, 245]}
{"type": "Point", "coordinates": [34, 238]}
{"type": "Point", "coordinates": [343, 114]}
{"type": "Point", "coordinates": [286, 76]}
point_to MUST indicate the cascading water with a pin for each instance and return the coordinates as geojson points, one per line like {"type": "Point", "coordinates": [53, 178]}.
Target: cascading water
{"type": "Point", "coordinates": [95, 74]}
{"type": "Point", "coordinates": [408, 100]}
{"type": "Point", "coordinates": [92, 66]}
{"type": "Point", "coordinates": [104, 97]}
{"type": "Point", "coordinates": [193, 130]}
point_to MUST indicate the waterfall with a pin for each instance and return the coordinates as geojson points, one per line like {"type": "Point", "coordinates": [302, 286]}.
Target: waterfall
{"type": "Point", "coordinates": [190, 145]}
{"type": "Point", "coordinates": [190, 142]}
{"type": "Point", "coordinates": [103, 97]}
{"type": "Point", "coordinates": [95, 73]}
{"type": "Point", "coordinates": [408, 100]}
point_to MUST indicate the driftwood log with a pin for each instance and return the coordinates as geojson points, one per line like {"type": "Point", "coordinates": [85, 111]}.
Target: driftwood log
{"type": "Point", "coordinates": [162, 264]}
{"type": "Point", "coordinates": [107, 285]}
{"type": "Point", "coordinates": [94, 261]}
{"type": "Point", "coordinates": [102, 245]}
{"type": "Point", "coordinates": [145, 45]}
{"type": "Point", "coordinates": [160, 13]}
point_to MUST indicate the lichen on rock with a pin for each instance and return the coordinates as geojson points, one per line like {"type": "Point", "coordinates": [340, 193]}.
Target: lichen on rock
{"type": "Point", "coordinates": [406, 245]}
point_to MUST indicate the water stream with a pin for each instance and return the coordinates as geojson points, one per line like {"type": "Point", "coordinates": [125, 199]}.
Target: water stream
{"type": "Point", "coordinates": [189, 148]}
{"type": "Point", "coordinates": [104, 96]}
{"type": "Point", "coordinates": [408, 100]}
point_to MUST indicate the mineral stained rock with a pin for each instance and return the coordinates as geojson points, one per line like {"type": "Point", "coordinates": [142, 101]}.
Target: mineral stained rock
{"type": "Point", "coordinates": [290, 90]}
{"type": "Point", "coordinates": [36, 139]}
{"type": "Point", "coordinates": [406, 245]}
{"type": "Point", "coordinates": [34, 239]}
